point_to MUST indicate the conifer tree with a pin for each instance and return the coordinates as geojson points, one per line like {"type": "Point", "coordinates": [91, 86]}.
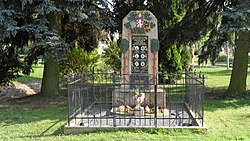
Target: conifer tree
{"type": "Point", "coordinates": [237, 20]}
{"type": "Point", "coordinates": [42, 23]}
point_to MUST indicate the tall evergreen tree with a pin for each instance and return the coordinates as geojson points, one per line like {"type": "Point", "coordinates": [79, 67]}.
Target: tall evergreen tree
{"type": "Point", "coordinates": [43, 24]}
{"type": "Point", "coordinates": [21, 22]}
{"type": "Point", "coordinates": [237, 20]}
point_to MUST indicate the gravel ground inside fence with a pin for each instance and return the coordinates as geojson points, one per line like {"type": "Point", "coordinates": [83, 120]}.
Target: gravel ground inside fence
{"type": "Point", "coordinates": [102, 115]}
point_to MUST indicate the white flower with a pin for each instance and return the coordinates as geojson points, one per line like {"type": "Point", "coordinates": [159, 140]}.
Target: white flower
{"type": "Point", "coordinates": [140, 98]}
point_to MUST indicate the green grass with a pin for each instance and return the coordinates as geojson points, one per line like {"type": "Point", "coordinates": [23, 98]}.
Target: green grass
{"type": "Point", "coordinates": [218, 77]}
{"type": "Point", "coordinates": [226, 120]}
{"type": "Point", "coordinates": [36, 74]}
{"type": "Point", "coordinates": [224, 64]}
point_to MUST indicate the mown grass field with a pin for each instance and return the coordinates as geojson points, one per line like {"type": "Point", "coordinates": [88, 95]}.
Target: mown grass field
{"type": "Point", "coordinates": [36, 74]}
{"type": "Point", "coordinates": [226, 119]}
{"type": "Point", "coordinates": [218, 77]}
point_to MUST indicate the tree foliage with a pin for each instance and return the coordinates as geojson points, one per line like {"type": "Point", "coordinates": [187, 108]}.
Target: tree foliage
{"type": "Point", "coordinates": [20, 22]}
{"type": "Point", "coordinates": [213, 46]}
{"type": "Point", "coordinates": [167, 13]}
{"type": "Point", "coordinates": [180, 24]}
{"type": "Point", "coordinates": [112, 55]}
{"type": "Point", "coordinates": [8, 63]}
{"type": "Point", "coordinates": [27, 21]}
{"type": "Point", "coordinates": [84, 20]}
{"type": "Point", "coordinates": [237, 19]}
{"type": "Point", "coordinates": [79, 60]}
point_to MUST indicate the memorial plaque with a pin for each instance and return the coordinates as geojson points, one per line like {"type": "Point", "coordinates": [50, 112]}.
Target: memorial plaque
{"type": "Point", "coordinates": [140, 81]}
{"type": "Point", "coordinates": [139, 67]}
{"type": "Point", "coordinates": [139, 54]}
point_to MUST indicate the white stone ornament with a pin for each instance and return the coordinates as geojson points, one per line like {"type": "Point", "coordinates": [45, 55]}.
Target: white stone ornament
{"type": "Point", "coordinates": [136, 56]}
{"type": "Point", "coordinates": [142, 56]}
{"type": "Point", "coordinates": [143, 48]}
{"type": "Point", "coordinates": [137, 64]}
{"type": "Point", "coordinates": [142, 64]}
{"type": "Point", "coordinates": [136, 48]}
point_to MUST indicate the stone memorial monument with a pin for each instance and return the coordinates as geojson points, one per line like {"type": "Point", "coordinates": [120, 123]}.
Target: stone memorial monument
{"type": "Point", "coordinates": [139, 46]}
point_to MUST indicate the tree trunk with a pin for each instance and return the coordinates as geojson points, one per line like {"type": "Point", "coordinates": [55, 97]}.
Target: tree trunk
{"type": "Point", "coordinates": [192, 56]}
{"type": "Point", "coordinates": [50, 81]}
{"type": "Point", "coordinates": [240, 65]}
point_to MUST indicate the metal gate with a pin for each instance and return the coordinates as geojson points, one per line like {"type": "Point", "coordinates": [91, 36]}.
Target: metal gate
{"type": "Point", "coordinates": [105, 100]}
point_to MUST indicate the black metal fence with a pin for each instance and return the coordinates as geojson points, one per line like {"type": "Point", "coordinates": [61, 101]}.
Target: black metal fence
{"type": "Point", "coordinates": [110, 100]}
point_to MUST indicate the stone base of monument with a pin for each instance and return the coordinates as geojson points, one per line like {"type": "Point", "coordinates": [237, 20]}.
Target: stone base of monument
{"type": "Point", "coordinates": [103, 117]}
{"type": "Point", "coordinates": [125, 96]}
{"type": "Point", "coordinates": [139, 111]}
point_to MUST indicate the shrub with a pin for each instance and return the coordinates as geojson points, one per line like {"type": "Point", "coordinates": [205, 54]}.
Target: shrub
{"type": "Point", "coordinates": [222, 58]}
{"type": "Point", "coordinates": [185, 57]}
{"type": "Point", "coordinates": [79, 60]}
{"type": "Point", "coordinates": [176, 59]}
{"type": "Point", "coordinates": [112, 56]}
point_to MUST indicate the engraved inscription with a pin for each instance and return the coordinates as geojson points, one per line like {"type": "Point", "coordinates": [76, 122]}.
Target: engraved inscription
{"type": "Point", "coordinates": [139, 54]}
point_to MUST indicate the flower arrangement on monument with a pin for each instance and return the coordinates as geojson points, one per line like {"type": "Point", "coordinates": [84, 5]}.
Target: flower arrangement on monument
{"type": "Point", "coordinates": [139, 97]}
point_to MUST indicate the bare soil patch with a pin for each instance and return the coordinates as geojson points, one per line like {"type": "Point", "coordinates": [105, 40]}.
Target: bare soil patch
{"type": "Point", "coordinates": [28, 96]}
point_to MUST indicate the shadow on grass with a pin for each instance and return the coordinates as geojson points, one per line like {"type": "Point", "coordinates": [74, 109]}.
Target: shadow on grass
{"type": "Point", "coordinates": [155, 131]}
{"type": "Point", "coordinates": [57, 132]}
{"type": "Point", "coordinates": [46, 132]}
{"type": "Point", "coordinates": [20, 116]}
{"type": "Point", "coordinates": [214, 105]}
{"type": "Point", "coordinates": [217, 98]}
{"type": "Point", "coordinates": [220, 101]}
{"type": "Point", "coordinates": [215, 93]}
{"type": "Point", "coordinates": [47, 122]}
{"type": "Point", "coordinates": [51, 111]}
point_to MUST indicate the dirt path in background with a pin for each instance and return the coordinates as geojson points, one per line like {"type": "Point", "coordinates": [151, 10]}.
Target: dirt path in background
{"type": "Point", "coordinates": [18, 90]}
{"type": "Point", "coordinates": [26, 95]}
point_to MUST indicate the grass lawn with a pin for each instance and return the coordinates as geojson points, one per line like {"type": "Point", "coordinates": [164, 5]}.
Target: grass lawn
{"type": "Point", "coordinates": [227, 119]}
{"type": "Point", "coordinates": [218, 77]}
{"type": "Point", "coordinates": [36, 74]}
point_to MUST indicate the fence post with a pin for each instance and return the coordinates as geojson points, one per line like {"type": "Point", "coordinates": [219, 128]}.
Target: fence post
{"type": "Point", "coordinates": [155, 96]}
{"type": "Point", "coordinates": [202, 99]}
{"type": "Point", "coordinates": [68, 80]}
{"type": "Point", "coordinates": [113, 99]}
